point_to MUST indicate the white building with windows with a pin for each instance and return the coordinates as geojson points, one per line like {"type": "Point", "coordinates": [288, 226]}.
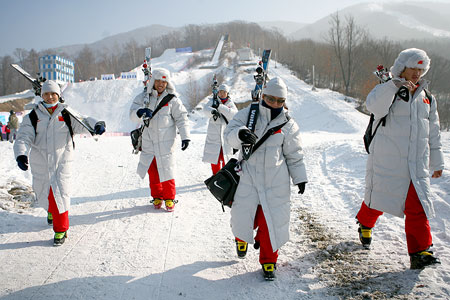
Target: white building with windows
{"type": "Point", "coordinates": [54, 67]}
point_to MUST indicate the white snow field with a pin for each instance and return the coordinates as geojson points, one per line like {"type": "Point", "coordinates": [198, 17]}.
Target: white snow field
{"type": "Point", "coordinates": [119, 247]}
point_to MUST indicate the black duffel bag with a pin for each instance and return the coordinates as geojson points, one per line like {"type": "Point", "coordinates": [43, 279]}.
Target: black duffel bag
{"type": "Point", "coordinates": [224, 183]}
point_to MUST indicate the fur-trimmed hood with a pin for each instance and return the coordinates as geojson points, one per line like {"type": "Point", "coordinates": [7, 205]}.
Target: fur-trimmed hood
{"type": "Point", "coordinates": [411, 58]}
{"type": "Point", "coordinates": [162, 74]}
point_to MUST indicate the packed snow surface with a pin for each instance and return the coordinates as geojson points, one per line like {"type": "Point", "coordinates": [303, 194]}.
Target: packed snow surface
{"type": "Point", "coordinates": [119, 247]}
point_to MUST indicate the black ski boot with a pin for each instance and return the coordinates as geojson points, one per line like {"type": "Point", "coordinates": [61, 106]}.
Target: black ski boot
{"type": "Point", "coordinates": [49, 218]}
{"type": "Point", "coordinates": [269, 271]}
{"type": "Point", "coordinates": [59, 238]}
{"type": "Point", "coordinates": [241, 248]}
{"type": "Point", "coordinates": [421, 259]}
{"type": "Point", "coordinates": [365, 235]}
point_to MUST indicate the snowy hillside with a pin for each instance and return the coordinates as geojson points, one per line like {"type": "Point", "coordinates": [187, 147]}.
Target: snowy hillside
{"type": "Point", "coordinates": [395, 20]}
{"type": "Point", "coordinates": [119, 247]}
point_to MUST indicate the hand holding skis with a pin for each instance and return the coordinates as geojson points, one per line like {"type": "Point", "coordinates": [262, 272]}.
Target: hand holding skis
{"type": "Point", "coordinates": [215, 114]}
{"type": "Point", "coordinates": [247, 137]}
{"type": "Point", "coordinates": [144, 113]}
{"type": "Point", "coordinates": [99, 128]}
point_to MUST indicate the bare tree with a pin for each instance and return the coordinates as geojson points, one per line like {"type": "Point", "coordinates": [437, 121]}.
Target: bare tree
{"type": "Point", "coordinates": [6, 74]}
{"type": "Point", "coordinates": [345, 40]}
{"type": "Point", "coordinates": [85, 64]}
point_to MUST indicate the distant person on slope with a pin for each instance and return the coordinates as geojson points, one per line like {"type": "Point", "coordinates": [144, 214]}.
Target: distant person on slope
{"type": "Point", "coordinates": [13, 125]}
{"type": "Point", "coordinates": [216, 151]}
{"type": "Point", "coordinates": [158, 139]}
{"type": "Point", "coordinates": [7, 131]}
{"type": "Point", "coordinates": [262, 198]}
{"type": "Point", "coordinates": [49, 147]}
{"type": "Point", "coordinates": [403, 155]}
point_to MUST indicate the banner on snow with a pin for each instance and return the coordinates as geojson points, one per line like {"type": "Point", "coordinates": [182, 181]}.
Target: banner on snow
{"type": "Point", "coordinates": [186, 49]}
{"type": "Point", "coordinates": [128, 75]}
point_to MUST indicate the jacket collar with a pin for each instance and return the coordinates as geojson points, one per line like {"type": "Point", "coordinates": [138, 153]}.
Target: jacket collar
{"type": "Point", "coordinates": [264, 112]}
{"type": "Point", "coordinates": [57, 111]}
{"type": "Point", "coordinates": [154, 93]}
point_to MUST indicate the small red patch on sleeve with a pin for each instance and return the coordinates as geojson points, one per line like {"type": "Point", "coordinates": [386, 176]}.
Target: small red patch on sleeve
{"type": "Point", "coordinates": [278, 131]}
{"type": "Point", "coordinates": [167, 104]}
{"type": "Point", "coordinates": [420, 62]}
{"type": "Point", "coordinates": [425, 100]}
{"type": "Point", "coordinates": [60, 118]}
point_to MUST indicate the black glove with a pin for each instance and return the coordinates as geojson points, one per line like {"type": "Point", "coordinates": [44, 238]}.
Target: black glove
{"type": "Point", "coordinates": [403, 93]}
{"type": "Point", "coordinates": [301, 187]}
{"type": "Point", "coordinates": [22, 162]}
{"type": "Point", "coordinates": [215, 113]}
{"type": "Point", "coordinates": [215, 103]}
{"type": "Point", "coordinates": [99, 127]}
{"type": "Point", "coordinates": [146, 112]}
{"type": "Point", "coordinates": [184, 144]}
{"type": "Point", "coordinates": [247, 136]}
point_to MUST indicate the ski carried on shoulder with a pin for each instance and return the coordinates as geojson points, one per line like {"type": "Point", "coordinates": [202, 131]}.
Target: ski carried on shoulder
{"type": "Point", "coordinates": [81, 119]}
{"type": "Point", "coordinates": [260, 79]}
{"type": "Point", "coordinates": [37, 86]}
{"type": "Point", "coordinates": [37, 83]}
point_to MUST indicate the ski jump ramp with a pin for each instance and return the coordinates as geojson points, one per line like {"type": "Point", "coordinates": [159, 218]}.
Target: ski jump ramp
{"type": "Point", "coordinates": [214, 63]}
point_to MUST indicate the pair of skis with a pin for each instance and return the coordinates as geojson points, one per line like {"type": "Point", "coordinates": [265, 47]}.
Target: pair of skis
{"type": "Point", "coordinates": [260, 79]}
{"type": "Point", "coordinates": [37, 87]}
{"type": "Point", "coordinates": [215, 91]}
{"type": "Point", "coordinates": [147, 69]}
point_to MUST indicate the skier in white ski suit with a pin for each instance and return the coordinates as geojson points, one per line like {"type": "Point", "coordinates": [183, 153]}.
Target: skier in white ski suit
{"type": "Point", "coordinates": [158, 139]}
{"type": "Point", "coordinates": [403, 155]}
{"type": "Point", "coordinates": [216, 151]}
{"type": "Point", "coordinates": [262, 197]}
{"type": "Point", "coordinates": [49, 148]}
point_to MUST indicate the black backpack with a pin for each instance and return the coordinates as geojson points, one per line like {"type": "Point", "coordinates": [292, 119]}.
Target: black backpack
{"type": "Point", "coordinates": [65, 114]}
{"type": "Point", "coordinates": [370, 134]}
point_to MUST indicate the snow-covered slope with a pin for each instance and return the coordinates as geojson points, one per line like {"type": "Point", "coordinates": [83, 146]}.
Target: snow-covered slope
{"type": "Point", "coordinates": [394, 20]}
{"type": "Point", "coordinates": [119, 247]}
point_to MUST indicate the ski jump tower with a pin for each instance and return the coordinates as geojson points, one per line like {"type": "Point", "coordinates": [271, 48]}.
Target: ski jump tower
{"type": "Point", "coordinates": [214, 63]}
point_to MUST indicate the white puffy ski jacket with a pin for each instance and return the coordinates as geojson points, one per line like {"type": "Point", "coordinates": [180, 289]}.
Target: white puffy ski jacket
{"type": "Point", "coordinates": [49, 153]}
{"type": "Point", "coordinates": [403, 151]}
{"type": "Point", "coordinates": [265, 177]}
{"type": "Point", "coordinates": [214, 135]}
{"type": "Point", "coordinates": [158, 139]}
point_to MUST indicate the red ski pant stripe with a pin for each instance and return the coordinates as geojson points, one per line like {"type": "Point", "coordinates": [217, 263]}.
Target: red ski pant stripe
{"type": "Point", "coordinates": [220, 163]}
{"type": "Point", "coordinates": [266, 255]}
{"type": "Point", "coordinates": [417, 226]}
{"type": "Point", "coordinates": [160, 190]}
{"type": "Point", "coordinates": [60, 221]}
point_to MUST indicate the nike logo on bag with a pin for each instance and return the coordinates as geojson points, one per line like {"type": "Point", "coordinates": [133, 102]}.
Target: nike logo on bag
{"type": "Point", "coordinates": [215, 183]}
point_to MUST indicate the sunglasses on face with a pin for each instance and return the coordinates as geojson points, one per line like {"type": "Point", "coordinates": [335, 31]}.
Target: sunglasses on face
{"type": "Point", "coordinates": [272, 99]}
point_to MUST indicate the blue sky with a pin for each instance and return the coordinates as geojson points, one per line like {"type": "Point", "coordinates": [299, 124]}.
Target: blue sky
{"type": "Point", "coordinates": [50, 23]}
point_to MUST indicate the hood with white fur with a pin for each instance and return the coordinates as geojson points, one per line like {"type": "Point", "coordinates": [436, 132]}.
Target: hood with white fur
{"type": "Point", "coordinates": [411, 58]}
{"type": "Point", "coordinates": [164, 75]}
